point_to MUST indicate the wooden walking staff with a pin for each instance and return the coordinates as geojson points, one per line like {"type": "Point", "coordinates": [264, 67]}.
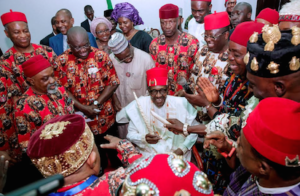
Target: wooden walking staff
{"type": "Point", "coordinates": [143, 115]}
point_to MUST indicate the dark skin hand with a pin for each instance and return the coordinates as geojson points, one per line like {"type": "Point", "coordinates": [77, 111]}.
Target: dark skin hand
{"type": "Point", "coordinates": [3, 171]}
{"type": "Point", "coordinates": [116, 103]}
{"type": "Point", "coordinates": [178, 151]}
{"type": "Point", "coordinates": [177, 127]}
{"type": "Point", "coordinates": [152, 139]}
{"type": "Point", "coordinates": [113, 142]}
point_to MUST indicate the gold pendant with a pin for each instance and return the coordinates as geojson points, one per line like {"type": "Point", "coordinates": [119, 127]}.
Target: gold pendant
{"type": "Point", "coordinates": [254, 37]}
{"type": "Point", "coordinates": [254, 64]}
{"type": "Point", "coordinates": [271, 35]}
{"type": "Point", "coordinates": [294, 64]}
{"type": "Point", "coordinates": [273, 67]}
{"type": "Point", "coordinates": [296, 35]}
{"type": "Point", "coordinates": [246, 58]}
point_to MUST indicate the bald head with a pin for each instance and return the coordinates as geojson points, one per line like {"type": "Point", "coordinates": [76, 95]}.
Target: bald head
{"type": "Point", "coordinates": [78, 41]}
{"type": "Point", "coordinates": [241, 13]}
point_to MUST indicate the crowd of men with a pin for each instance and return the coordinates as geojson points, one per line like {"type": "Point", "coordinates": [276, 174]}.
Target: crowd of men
{"type": "Point", "coordinates": [210, 111]}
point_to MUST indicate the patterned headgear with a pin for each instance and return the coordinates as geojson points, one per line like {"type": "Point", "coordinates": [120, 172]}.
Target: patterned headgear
{"type": "Point", "coordinates": [268, 135]}
{"type": "Point", "coordinates": [97, 21]}
{"type": "Point", "coordinates": [61, 146]}
{"type": "Point", "coordinates": [165, 174]}
{"type": "Point", "coordinates": [273, 53]}
{"type": "Point", "coordinates": [128, 11]}
{"type": "Point", "coordinates": [216, 21]}
{"type": "Point", "coordinates": [269, 15]}
{"type": "Point", "coordinates": [117, 43]}
{"type": "Point", "coordinates": [290, 12]}
{"type": "Point", "coordinates": [13, 17]}
{"type": "Point", "coordinates": [157, 77]}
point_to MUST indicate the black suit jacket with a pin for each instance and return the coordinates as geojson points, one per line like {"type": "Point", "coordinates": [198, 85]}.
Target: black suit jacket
{"type": "Point", "coordinates": [45, 41]}
{"type": "Point", "coordinates": [86, 25]}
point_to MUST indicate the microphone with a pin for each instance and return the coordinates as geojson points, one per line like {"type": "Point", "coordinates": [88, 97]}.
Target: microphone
{"type": "Point", "coordinates": [182, 81]}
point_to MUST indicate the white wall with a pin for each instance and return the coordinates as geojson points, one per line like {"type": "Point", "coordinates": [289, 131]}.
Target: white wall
{"type": "Point", "coordinates": [40, 12]}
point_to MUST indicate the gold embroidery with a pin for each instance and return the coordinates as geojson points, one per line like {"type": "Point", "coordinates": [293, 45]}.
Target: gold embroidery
{"type": "Point", "coordinates": [296, 35]}
{"type": "Point", "coordinates": [271, 35]}
{"type": "Point", "coordinates": [53, 130]}
{"type": "Point", "coordinates": [273, 67]}
{"type": "Point", "coordinates": [246, 58]}
{"type": "Point", "coordinates": [294, 64]}
{"type": "Point", "coordinates": [254, 37]}
{"type": "Point", "coordinates": [254, 64]}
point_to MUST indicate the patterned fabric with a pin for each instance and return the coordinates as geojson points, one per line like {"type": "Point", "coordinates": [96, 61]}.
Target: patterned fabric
{"type": "Point", "coordinates": [177, 58]}
{"type": "Point", "coordinates": [13, 60]}
{"type": "Point", "coordinates": [9, 92]}
{"type": "Point", "coordinates": [33, 110]}
{"type": "Point", "coordinates": [107, 184]}
{"type": "Point", "coordinates": [243, 183]}
{"type": "Point", "coordinates": [87, 88]}
{"type": "Point", "coordinates": [235, 94]}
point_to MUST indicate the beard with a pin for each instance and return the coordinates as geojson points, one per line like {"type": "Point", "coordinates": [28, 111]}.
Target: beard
{"type": "Point", "coordinates": [50, 90]}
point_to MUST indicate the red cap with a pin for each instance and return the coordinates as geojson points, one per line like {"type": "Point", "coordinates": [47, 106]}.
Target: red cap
{"type": "Point", "coordinates": [157, 77]}
{"type": "Point", "coordinates": [35, 65]}
{"type": "Point", "coordinates": [166, 174]}
{"type": "Point", "coordinates": [216, 21]}
{"type": "Point", "coordinates": [202, 0]}
{"type": "Point", "coordinates": [274, 131]}
{"type": "Point", "coordinates": [168, 11]}
{"type": "Point", "coordinates": [269, 15]}
{"type": "Point", "coordinates": [243, 32]}
{"type": "Point", "coordinates": [12, 17]}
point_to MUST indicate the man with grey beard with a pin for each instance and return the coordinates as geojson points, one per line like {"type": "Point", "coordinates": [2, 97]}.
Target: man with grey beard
{"type": "Point", "coordinates": [44, 99]}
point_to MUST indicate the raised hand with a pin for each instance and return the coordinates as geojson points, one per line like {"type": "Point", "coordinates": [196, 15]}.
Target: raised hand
{"type": "Point", "coordinates": [197, 100]}
{"type": "Point", "coordinates": [113, 142]}
{"type": "Point", "coordinates": [210, 91]}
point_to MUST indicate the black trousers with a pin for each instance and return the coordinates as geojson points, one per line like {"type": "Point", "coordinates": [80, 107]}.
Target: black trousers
{"type": "Point", "coordinates": [108, 154]}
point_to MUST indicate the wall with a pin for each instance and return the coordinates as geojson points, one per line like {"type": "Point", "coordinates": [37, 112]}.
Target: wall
{"type": "Point", "coordinates": [40, 12]}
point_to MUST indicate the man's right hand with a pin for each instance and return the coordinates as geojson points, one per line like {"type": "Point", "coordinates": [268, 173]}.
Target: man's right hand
{"type": "Point", "coordinates": [218, 139]}
{"type": "Point", "coordinates": [152, 139]}
{"type": "Point", "coordinates": [90, 112]}
{"type": "Point", "coordinates": [176, 126]}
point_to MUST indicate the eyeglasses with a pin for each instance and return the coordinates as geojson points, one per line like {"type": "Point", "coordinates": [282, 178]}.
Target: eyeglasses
{"type": "Point", "coordinates": [212, 37]}
{"type": "Point", "coordinates": [86, 46]}
{"type": "Point", "coordinates": [162, 91]}
{"type": "Point", "coordinates": [231, 3]}
{"type": "Point", "coordinates": [129, 57]}
{"type": "Point", "coordinates": [102, 32]}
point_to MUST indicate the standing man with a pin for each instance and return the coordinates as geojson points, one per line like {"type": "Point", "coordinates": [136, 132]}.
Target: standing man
{"type": "Point", "coordinates": [142, 122]}
{"type": "Point", "coordinates": [229, 5]}
{"type": "Point", "coordinates": [89, 13]}
{"type": "Point", "coordinates": [16, 29]}
{"type": "Point", "coordinates": [131, 65]}
{"type": "Point", "coordinates": [200, 9]}
{"type": "Point", "coordinates": [45, 41]}
{"type": "Point", "coordinates": [241, 13]}
{"type": "Point", "coordinates": [65, 21]}
{"type": "Point", "coordinates": [173, 50]}
{"type": "Point", "coordinates": [90, 78]}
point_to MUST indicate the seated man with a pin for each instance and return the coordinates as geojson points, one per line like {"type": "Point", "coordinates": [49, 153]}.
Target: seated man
{"type": "Point", "coordinates": [268, 150]}
{"type": "Point", "coordinates": [131, 65]}
{"type": "Point", "coordinates": [64, 21]}
{"type": "Point", "coordinates": [52, 145]}
{"type": "Point", "coordinates": [142, 123]}
{"type": "Point", "coordinates": [42, 101]}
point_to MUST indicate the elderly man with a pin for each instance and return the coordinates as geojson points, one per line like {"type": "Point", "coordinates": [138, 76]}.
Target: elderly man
{"type": "Point", "coordinates": [90, 78]}
{"type": "Point", "coordinates": [89, 13]}
{"type": "Point", "coordinates": [289, 15]}
{"type": "Point", "coordinates": [64, 21]}
{"type": "Point", "coordinates": [200, 9]}
{"type": "Point", "coordinates": [268, 167]}
{"type": "Point", "coordinates": [173, 50]}
{"type": "Point", "coordinates": [16, 29]}
{"type": "Point", "coordinates": [148, 132]}
{"type": "Point", "coordinates": [42, 101]}
{"type": "Point", "coordinates": [81, 172]}
{"type": "Point", "coordinates": [229, 5]}
{"type": "Point", "coordinates": [241, 13]}
{"type": "Point", "coordinates": [45, 40]}
{"type": "Point", "coordinates": [131, 65]}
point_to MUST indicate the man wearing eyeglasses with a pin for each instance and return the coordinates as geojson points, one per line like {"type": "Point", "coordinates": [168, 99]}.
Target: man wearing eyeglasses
{"type": "Point", "coordinates": [142, 122]}
{"type": "Point", "coordinates": [131, 65]}
{"type": "Point", "coordinates": [90, 79]}
{"type": "Point", "coordinates": [211, 59]}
